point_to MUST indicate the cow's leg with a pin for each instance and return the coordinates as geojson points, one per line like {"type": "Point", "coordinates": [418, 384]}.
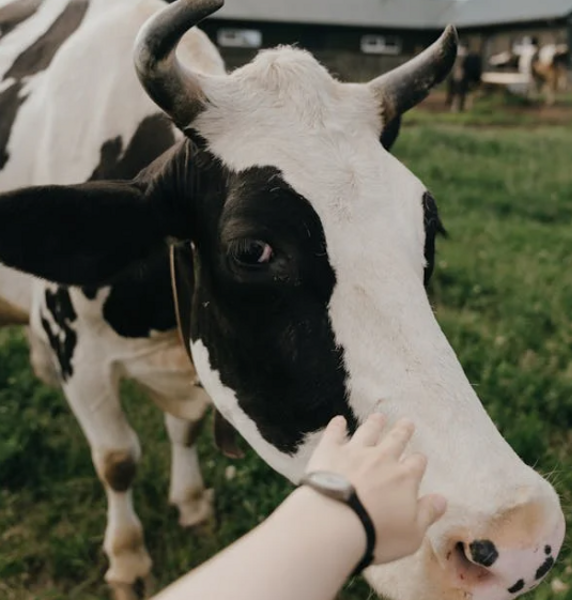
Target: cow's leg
{"type": "Point", "coordinates": [171, 381]}
{"type": "Point", "coordinates": [115, 452]}
{"type": "Point", "coordinates": [187, 490]}
{"type": "Point", "coordinates": [551, 87]}
{"type": "Point", "coordinates": [462, 100]}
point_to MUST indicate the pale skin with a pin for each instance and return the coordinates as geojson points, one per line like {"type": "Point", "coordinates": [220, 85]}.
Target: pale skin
{"type": "Point", "coordinates": [310, 545]}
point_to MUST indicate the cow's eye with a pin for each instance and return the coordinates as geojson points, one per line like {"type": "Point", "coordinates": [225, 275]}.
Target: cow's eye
{"type": "Point", "coordinates": [251, 253]}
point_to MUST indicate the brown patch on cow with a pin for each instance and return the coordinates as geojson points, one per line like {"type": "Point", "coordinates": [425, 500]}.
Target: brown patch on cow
{"type": "Point", "coordinates": [119, 470]}
{"type": "Point", "coordinates": [518, 527]}
{"type": "Point", "coordinates": [128, 540]}
{"type": "Point", "coordinates": [192, 494]}
{"type": "Point", "coordinates": [12, 315]}
{"type": "Point", "coordinates": [172, 357]}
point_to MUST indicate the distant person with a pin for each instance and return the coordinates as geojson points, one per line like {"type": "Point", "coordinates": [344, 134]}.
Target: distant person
{"type": "Point", "coordinates": [312, 543]}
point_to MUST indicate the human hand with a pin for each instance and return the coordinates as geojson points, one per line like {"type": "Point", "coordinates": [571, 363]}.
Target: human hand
{"type": "Point", "coordinates": [386, 483]}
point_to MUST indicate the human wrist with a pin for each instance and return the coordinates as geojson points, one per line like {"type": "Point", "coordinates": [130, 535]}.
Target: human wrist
{"type": "Point", "coordinates": [331, 523]}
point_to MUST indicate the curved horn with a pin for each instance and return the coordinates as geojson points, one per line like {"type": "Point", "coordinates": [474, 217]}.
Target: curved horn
{"type": "Point", "coordinates": [404, 87]}
{"type": "Point", "coordinates": [172, 86]}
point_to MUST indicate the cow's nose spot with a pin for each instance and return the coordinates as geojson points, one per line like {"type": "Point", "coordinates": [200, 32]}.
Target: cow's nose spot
{"type": "Point", "coordinates": [544, 568]}
{"type": "Point", "coordinates": [517, 587]}
{"type": "Point", "coordinates": [483, 552]}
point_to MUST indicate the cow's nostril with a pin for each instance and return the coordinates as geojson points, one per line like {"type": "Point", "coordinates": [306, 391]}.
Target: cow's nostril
{"type": "Point", "coordinates": [483, 552]}
{"type": "Point", "coordinates": [465, 569]}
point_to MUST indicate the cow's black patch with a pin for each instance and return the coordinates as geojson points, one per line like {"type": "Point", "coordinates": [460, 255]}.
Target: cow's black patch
{"type": "Point", "coordinates": [140, 301]}
{"type": "Point", "coordinates": [433, 226]}
{"type": "Point", "coordinates": [90, 292]}
{"type": "Point", "coordinates": [516, 587]}
{"type": "Point", "coordinates": [544, 568]}
{"type": "Point", "coordinates": [483, 552]}
{"type": "Point", "coordinates": [61, 336]}
{"type": "Point", "coordinates": [39, 55]}
{"type": "Point", "coordinates": [10, 102]}
{"type": "Point", "coordinates": [267, 329]}
{"type": "Point", "coordinates": [547, 550]}
{"type": "Point", "coordinates": [11, 15]}
{"type": "Point", "coordinates": [154, 135]}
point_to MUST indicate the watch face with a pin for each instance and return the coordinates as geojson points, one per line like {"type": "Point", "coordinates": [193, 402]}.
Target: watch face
{"type": "Point", "coordinates": [331, 484]}
{"type": "Point", "coordinates": [332, 481]}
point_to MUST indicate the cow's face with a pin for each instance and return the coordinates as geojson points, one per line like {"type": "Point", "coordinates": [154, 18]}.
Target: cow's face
{"type": "Point", "coordinates": [310, 257]}
{"type": "Point", "coordinates": [309, 301]}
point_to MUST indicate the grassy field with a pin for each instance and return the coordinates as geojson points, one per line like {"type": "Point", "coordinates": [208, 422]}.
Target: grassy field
{"type": "Point", "coordinates": [502, 292]}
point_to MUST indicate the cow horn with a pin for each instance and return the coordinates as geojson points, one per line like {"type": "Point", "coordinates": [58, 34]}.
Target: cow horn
{"type": "Point", "coordinates": [404, 87]}
{"type": "Point", "coordinates": [175, 88]}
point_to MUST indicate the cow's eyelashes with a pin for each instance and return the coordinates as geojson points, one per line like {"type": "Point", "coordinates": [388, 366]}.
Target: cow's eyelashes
{"type": "Point", "coordinates": [251, 253]}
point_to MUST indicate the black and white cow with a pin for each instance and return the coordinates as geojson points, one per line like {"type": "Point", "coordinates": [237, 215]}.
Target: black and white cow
{"type": "Point", "coordinates": [301, 249]}
{"type": "Point", "coordinates": [72, 110]}
{"type": "Point", "coordinates": [544, 66]}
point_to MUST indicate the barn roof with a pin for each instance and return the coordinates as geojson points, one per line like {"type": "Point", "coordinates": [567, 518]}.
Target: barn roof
{"type": "Point", "coordinates": [473, 13]}
{"type": "Point", "coordinates": [414, 14]}
{"type": "Point", "coordinates": [407, 14]}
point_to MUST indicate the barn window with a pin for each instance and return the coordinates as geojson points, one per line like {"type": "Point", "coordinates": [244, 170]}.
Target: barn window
{"type": "Point", "coordinates": [239, 38]}
{"type": "Point", "coordinates": [380, 44]}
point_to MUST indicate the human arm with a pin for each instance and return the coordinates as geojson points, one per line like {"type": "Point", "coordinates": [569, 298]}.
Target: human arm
{"type": "Point", "coordinates": [309, 546]}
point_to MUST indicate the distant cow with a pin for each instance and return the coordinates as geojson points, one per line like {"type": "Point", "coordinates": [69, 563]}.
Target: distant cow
{"type": "Point", "coordinates": [545, 66]}
{"type": "Point", "coordinates": [300, 252]}
{"type": "Point", "coordinates": [464, 78]}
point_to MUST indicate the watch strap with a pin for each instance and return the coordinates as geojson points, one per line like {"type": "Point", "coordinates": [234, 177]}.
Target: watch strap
{"type": "Point", "coordinates": [355, 504]}
{"type": "Point", "coordinates": [352, 501]}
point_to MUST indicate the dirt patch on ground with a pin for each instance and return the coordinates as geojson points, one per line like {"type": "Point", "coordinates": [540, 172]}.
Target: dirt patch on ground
{"type": "Point", "coordinates": [515, 108]}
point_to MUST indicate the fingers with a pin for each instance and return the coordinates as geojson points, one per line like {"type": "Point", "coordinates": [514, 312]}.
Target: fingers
{"type": "Point", "coordinates": [430, 508]}
{"type": "Point", "coordinates": [369, 432]}
{"type": "Point", "coordinates": [395, 442]}
{"type": "Point", "coordinates": [336, 431]}
{"type": "Point", "coordinates": [416, 464]}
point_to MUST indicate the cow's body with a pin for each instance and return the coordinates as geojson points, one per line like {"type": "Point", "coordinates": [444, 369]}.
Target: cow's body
{"type": "Point", "coordinates": [545, 67]}
{"type": "Point", "coordinates": [63, 123]}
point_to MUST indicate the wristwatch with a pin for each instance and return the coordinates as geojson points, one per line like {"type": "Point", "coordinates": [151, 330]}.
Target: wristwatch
{"type": "Point", "coordinates": [338, 488]}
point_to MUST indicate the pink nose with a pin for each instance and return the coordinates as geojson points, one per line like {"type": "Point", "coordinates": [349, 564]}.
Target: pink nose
{"type": "Point", "coordinates": [503, 569]}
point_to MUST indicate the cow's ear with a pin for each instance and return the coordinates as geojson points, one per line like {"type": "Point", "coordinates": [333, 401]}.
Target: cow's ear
{"type": "Point", "coordinates": [80, 234]}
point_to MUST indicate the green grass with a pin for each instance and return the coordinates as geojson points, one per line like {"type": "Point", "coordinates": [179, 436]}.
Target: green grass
{"type": "Point", "coordinates": [503, 295]}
